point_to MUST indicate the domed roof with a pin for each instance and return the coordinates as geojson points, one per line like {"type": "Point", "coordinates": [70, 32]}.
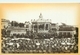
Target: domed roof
{"type": "Point", "coordinates": [41, 19]}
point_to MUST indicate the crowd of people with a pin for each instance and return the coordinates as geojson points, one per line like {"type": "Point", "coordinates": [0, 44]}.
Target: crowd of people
{"type": "Point", "coordinates": [51, 45]}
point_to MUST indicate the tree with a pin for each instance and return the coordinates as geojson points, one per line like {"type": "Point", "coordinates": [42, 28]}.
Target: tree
{"type": "Point", "coordinates": [21, 24]}
{"type": "Point", "coordinates": [14, 23]}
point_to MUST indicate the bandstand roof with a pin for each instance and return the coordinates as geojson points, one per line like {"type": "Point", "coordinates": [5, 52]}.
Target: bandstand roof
{"type": "Point", "coordinates": [41, 19]}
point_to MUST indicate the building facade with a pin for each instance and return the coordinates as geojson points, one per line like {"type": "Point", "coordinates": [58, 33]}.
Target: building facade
{"type": "Point", "coordinates": [41, 25]}
{"type": "Point", "coordinates": [17, 30]}
{"type": "Point", "coordinates": [27, 25]}
{"type": "Point", "coordinates": [66, 31]}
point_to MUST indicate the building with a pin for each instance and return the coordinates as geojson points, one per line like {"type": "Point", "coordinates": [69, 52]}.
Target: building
{"type": "Point", "coordinates": [27, 25]}
{"type": "Point", "coordinates": [5, 23]}
{"type": "Point", "coordinates": [41, 25]}
{"type": "Point", "coordinates": [66, 31]}
{"type": "Point", "coordinates": [54, 28]}
{"type": "Point", "coordinates": [17, 30]}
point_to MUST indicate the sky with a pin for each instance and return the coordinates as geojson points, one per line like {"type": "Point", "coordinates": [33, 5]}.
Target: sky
{"type": "Point", "coordinates": [58, 13]}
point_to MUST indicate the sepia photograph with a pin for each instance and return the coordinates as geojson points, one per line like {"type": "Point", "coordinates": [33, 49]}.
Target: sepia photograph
{"type": "Point", "coordinates": [39, 28]}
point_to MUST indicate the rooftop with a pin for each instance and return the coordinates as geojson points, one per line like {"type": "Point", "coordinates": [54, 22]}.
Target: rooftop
{"type": "Point", "coordinates": [41, 19]}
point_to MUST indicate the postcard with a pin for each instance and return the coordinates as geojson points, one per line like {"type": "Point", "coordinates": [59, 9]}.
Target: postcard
{"type": "Point", "coordinates": [40, 28]}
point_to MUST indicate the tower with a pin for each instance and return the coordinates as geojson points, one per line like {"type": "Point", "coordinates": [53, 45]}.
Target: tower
{"type": "Point", "coordinates": [40, 16]}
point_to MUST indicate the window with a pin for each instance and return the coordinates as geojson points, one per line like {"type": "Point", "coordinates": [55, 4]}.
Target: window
{"type": "Point", "coordinates": [27, 26]}
{"type": "Point", "coordinates": [41, 27]}
{"type": "Point", "coordinates": [46, 26]}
